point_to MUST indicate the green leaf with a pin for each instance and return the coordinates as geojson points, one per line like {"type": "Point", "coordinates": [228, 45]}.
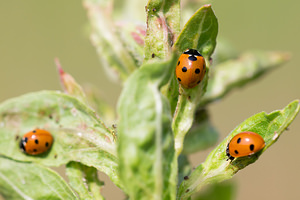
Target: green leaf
{"type": "Point", "coordinates": [163, 18]}
{"type": "Point", "coordinates": [108, 44]}
{"type": "Point", "coordinates": [148, 166]}
{"type": "Point", "coordinates": [79, 134]}
{"type": "Point", "coordinates": [30, 181]}
{"type": "Point", "coordinates": [216, 168]}
{"type": "Point", "coordinates": [84, 181]}
{"type": "Point", "coordinates": [200, 32]}
{"type": "Point", "coordinates": [202, 134]}
{"type": "Point", "coordinates": [237, 72]}
{"type": "Point", "coordinates": [184, 167]}
{"type": "Point", "coordinates": [217, 191]}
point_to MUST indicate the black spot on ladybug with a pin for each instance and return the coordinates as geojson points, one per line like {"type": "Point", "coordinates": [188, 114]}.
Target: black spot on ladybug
{"type": "Point", "coordinates": [197, 71]}
{"type": "Point", "coordinates": [251, 147]}
{"type": "Point", "coordinates": [34, 131]}
{"type": "Point", "coordinates": [184, 69]}
{"type": "Point", "coordinates": [179, 79]}
{"type": "Point", "coordinates": [36, 141]}
{"type": "Point", "coordinates": [178, 63]}
{"type": "Point", "coordinates": [192, 58]}
{"type": "Point", "coordinates": [186, 178]}
{"type": "Point", "coordinates": [25, 139]}
{"type": "Point", "coordinates": [238, 140]}
{"type": "Point", "coordinates": [34, 150]}
{"type": "Point", "coordinates": [236, 152]}
{"type": "Point", "coordinates": [47, 144]}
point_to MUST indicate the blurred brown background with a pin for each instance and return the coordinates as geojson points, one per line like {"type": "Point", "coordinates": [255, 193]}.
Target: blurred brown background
{"type": "Point", "coordinates": [33, 33]}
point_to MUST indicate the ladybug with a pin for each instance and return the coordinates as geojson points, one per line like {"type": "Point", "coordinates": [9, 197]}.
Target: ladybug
{"type": "Point", "coordinates": [36, 142]}
{"type": "Point", "coordinates": [244, 144]}
{"type": "Point", "coordinates": [190, 69]}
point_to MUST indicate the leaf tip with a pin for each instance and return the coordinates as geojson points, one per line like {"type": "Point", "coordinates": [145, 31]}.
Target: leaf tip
{"type": "Point", "coordinates": [207, 7]}
{"type": "Point", "coordinates": [283, 56]}
{"type": "Point", "coordinates": [58, 66]}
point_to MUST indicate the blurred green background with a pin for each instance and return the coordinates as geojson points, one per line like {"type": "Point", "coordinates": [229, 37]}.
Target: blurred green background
{"type": "Point", "coordinates": [33, 33]}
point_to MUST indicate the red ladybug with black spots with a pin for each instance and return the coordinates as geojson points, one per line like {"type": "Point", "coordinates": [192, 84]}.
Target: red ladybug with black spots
{"type": "Point", "coordinates": [190, 69]}
{"type": "Point", "coordinates": [244, 144]}
{"type": "Point", "coordinates": [36, 142]}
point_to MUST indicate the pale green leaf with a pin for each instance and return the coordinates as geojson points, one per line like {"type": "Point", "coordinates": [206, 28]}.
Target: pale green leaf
{"type": "Point", "coordinates": [218, 191]}
{"type": "Point", "coordinates": [30, 181]}
{"type": "Point", "coordinates": [84, 181]}
{"type": "Point", "coordinates": [217, 168]}
{"type": "Point", "coordinates": [163, 18]}
{"type": "Point", "coordinates": [79, 134]}
{"type": "Point", "coordinates": [107, 43]}
{"type": "Point", "coordinates": [237, 72]}
{"type": "Point", "coordinates": [148, 166]}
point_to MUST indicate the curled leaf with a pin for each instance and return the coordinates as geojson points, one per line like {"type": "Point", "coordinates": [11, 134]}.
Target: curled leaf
{"type": "Point", "coordinates": [237, 72]}
{"type": "Point", "coordinates": [217, 168]}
